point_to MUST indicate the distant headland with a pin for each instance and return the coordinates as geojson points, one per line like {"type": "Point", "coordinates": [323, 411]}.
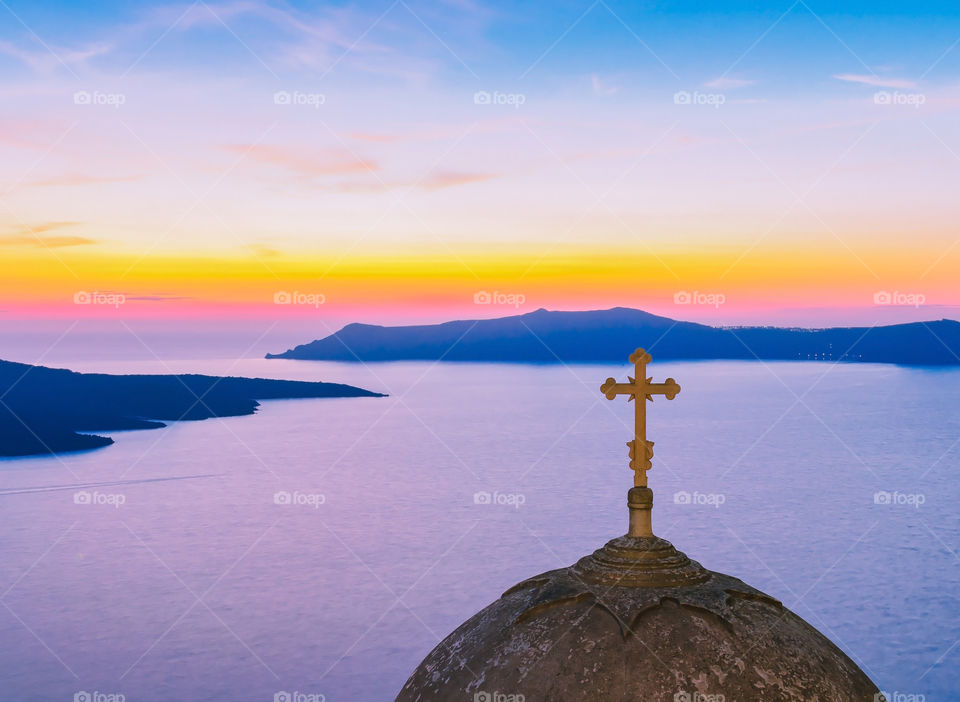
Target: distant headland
{"type": "Point", "coordinates": [43, 409]}
{"type": "Point", "coordinates": [609, 335]}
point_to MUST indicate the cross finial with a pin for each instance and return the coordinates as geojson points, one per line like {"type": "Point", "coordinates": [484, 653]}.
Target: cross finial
{"type": "Point", "coordinates": [640, 388]}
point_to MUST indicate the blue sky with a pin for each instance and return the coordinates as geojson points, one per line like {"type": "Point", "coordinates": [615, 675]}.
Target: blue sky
{"type": "Point", "coordinates": [810, 42]}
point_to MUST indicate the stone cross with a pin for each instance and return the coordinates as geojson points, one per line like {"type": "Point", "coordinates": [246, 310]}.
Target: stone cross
{"type": "Point", "coordinates": [640, 389]}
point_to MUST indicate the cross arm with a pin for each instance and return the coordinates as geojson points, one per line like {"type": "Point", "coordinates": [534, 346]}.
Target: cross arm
{"type": "Point", "coordinates": [669, 388]}
{"type": "Point", "coordinates": [611, 388]}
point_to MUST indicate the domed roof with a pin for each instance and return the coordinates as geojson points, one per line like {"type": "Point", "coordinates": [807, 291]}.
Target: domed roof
{"type": "Point", "coordinates": [573, 634]}
{"type": "Point", "coordinates": [637, 620]}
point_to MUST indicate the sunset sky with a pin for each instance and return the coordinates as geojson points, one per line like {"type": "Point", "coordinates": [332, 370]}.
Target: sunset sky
{"type": "Point", "coordinates": [394, 159]}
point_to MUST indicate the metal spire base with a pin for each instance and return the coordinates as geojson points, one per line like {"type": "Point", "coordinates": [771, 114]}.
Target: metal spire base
{"type": "Point", "coordinates": [640, 559]}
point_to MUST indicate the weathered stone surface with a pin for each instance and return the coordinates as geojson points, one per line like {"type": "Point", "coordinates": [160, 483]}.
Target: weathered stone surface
{"type": "Point", "coordinates": [570, 635]}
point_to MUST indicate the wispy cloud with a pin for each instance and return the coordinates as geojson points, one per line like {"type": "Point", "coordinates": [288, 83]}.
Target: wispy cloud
{"type": "Point", "coordinates": [35, 236]}
{"type": "Point", "coordinates": [876, 81]}
{"type": "Point", "coordinates": [276, 35]}
{"type": "Point", "coordinates": [603, 87]}
{"type": "Point", "coordinates": [43, 227]}
{"type": "Point", "coordinates": [321, 39]}
{"type": "Point", "coordinates": [78, 179]}
{"type": "Point", "coordinates": [34, 134]}
{"type": "Point", "coordinates": [449, 179]}
{"type": "Point", "coordinates": [727, 83]}
{"type": "Point", "coordinates": [333, 162]}
{"type": "Point", "coordinates": [438, 180]}
{"type": "Point", "coordinates": [157, 298]}
{"type": "Point", "coordinates": [376, 137]}
{"type": "Point", "coordinates": [45, 60]}
{"type": "Point", "coordinates": [264, 251]}
{"type": "Point", "coordinates": [45, 242]}
{"type": "Point", "coordinates": [312, 165]}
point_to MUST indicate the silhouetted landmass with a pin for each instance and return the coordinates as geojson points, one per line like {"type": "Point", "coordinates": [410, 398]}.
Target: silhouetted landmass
{"type": "Point", "coordinates": [42, 409]}
{"type": "Point", "coordinates": [610, 335]}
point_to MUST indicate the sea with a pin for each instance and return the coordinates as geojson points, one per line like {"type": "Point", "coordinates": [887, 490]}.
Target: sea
{"type": "Point", "coordinates": [323, 547]}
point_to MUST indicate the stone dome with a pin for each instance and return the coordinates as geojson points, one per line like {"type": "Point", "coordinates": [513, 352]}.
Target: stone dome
{"type": "Point", "coordinates": [637, 620]}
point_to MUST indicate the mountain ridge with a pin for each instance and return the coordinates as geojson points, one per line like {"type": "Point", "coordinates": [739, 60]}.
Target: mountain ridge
{"type": "Point", "coordinates": [545, 336]}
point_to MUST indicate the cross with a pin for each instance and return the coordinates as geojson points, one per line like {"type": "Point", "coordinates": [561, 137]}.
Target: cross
{"type": "Point", "coordinates": [640, 388]}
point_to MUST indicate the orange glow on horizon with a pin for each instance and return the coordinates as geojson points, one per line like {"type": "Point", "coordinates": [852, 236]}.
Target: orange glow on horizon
{"type": "Point", "coordinates": [43, 283]}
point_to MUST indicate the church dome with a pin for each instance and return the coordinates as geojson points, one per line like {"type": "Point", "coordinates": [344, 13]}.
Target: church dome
{"type": "Point", "coordinates": [578, 634]}
{"type": "Point", "coordinates": [637, 620]}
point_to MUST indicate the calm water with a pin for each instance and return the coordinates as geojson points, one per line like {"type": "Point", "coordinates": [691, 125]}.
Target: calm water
{"type": "Point", "coordinates": [199, 587]}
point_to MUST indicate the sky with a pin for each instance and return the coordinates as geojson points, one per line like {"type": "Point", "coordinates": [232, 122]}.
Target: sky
{"type": "Point", "coordinates": [405, 161]}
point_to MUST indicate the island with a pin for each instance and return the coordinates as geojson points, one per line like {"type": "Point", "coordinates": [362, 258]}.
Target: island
{"type": "Point", "coordinates": [609, 335]}
{"type": "Point", "coordinates": [49, 410]}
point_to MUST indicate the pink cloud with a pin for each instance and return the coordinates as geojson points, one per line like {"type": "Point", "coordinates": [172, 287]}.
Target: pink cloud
{"type": "Point", "coordinates": [434, 181]}
{"type": "Point", "coordinates": [448, 179]}
{"type": "Point", "coordinates": [80, 179]}
{"type": "Point", "coordinates": [327, 162]}
{"type": "Point", "coordinates": [28, 133]}
{"type": "Point", "coordinates": [876, 81]}
{"type": "Point", "coordinates": [375, 137]}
